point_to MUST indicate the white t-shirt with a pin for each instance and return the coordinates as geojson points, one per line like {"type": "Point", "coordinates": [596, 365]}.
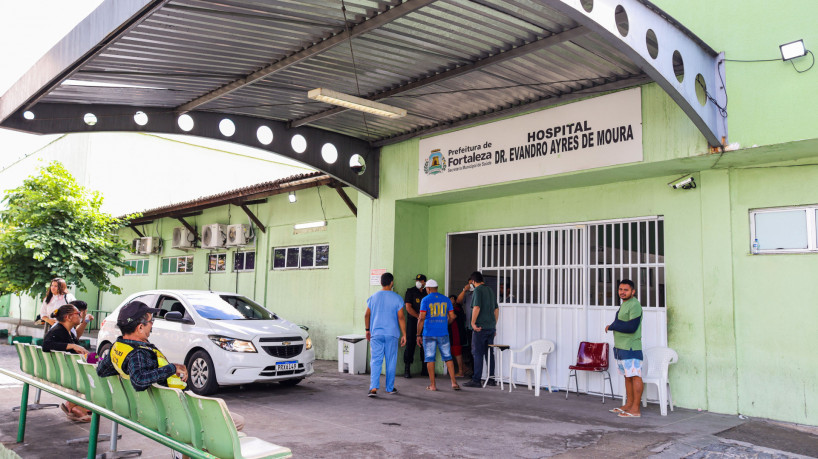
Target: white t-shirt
{"type": "Point", "coordinates": [56, 301]}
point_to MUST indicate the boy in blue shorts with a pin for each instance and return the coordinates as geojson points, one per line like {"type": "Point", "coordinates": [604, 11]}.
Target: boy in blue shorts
{"type": "Point", "coordinates": [436, 313]}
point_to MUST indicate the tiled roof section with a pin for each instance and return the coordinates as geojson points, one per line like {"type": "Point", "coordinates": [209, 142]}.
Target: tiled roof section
{"type": "Point", "coordinates": [256, 191]}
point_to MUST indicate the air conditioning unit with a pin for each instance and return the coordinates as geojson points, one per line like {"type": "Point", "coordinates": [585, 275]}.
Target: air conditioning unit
{"type": "Point", "coordinates": [214, 236]}
{"type": "Point", "coordinates": [183, 238]}
{"type": "Point", "coordinates": [135, 245]}
{"type": "Point", "coordinates": [147, 245]}
{"type": "Point", "coordinates": [238, 234]}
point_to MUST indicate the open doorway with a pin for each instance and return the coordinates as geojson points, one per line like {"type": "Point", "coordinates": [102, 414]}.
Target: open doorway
{"type": "Point", "coordinates": [462, 256]}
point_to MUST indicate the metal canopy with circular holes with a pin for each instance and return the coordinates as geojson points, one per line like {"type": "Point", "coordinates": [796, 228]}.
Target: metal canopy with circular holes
{"type": "Point", "coordinates": [140, 65]}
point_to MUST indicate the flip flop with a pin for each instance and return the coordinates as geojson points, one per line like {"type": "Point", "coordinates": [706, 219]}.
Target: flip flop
{"type": "Point", "coordinates": [625, 414]}
{"type": "Point", "coordinates": [65, 409]}
{"type": "Point", "coordinates": [616, 410]}
{"type": "Point", "coordinates": [372, 393]}
{"type": "Point", "coordinates": [456, 387]}
{"type": "Point", "coordinates": [429, 388]}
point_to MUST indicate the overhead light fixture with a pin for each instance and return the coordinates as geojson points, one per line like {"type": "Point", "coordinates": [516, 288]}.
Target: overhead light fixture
{"type": "Point", "coordinates": [793, 50]}
{"type": "Point", "coordinates": [301, 226]}
{"type": "Point", "coordinates": [355, 103]}
{"type": "Point", "coordinates": [291, 197]}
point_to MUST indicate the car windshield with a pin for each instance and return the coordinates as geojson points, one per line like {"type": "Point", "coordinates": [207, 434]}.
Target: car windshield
{"type": "Point", "coordinates": [228, 307]}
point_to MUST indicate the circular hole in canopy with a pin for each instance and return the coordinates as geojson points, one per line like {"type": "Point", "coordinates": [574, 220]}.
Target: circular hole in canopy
{"type": "Point", "coordinates": [264, 135]}
{"type": "Point", "coordinates": [652, 43]}
{"type": "Point", "coordinates": [140, 118]}
{"type": "Point", "coordinates": [587, 5]}
{"type": "Point", "coordinates": [28, 114]}
{"type": "Point", "coordinates": [701, 89]}
{"type": "Point", "coordinates": [621, 18]}
{"type": "Point", "coordinates": [357, 164]}
{"type": "Point", "coordinates": [329, 153]}
{"type": "Point", "coordinates": [227, 127]}
{"type": "Point", "coordinates": [678, 66]}
{"type": "Point", "coordinates": [299, 143]}
{"type": "Point", "coordinates": [185, 122]}
{"type": "Point", "coordinates": [90, 119]}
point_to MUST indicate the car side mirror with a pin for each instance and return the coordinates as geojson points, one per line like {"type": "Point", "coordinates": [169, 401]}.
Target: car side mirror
{"type": "Point", "coordinates": [176, 316]}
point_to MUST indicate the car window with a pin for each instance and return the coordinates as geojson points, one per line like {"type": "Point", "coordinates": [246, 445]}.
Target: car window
{"type": "Point", "coordinates": [168, 304]}
{"type": "Point", "coordinates": [248, 308]}
{"type": "Point", "coordinates": [214, 308]}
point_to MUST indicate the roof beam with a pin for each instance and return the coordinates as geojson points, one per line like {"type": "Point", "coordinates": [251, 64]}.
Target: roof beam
{"type": "Point", "coordinates": [253, 217]}
{"type": "Point", "coordinates": [521, 107]}
{"type": "Point", "coordinates": [512, 53]}
{"type": "Point", "coordinates": [105, 25]}
{"type": "Point", "coordinates": [392, 14]}
{"type": "Point", "coordinates": [700, 91]}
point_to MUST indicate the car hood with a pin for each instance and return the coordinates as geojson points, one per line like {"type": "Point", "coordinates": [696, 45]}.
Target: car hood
{"type": "Point", "coordinates": [249, 329]}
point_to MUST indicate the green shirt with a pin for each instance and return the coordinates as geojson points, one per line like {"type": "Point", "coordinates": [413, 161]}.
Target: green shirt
{"type": "Point", "coordinates": [629, 310]}
{"type": "Point", "coordinates": [485, 299]}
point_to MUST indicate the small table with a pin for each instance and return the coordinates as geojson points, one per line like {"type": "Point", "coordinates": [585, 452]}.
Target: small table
{"type": "Point", "coordinates": [498, 365]}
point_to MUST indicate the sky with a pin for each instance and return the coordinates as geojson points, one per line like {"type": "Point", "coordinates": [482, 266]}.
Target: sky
{"type": "Point", "coordinates": [28, 29]}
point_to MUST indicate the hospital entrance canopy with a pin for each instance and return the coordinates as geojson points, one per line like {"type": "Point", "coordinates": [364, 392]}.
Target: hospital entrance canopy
{"type": "Point", "coordinates": [448, 63]}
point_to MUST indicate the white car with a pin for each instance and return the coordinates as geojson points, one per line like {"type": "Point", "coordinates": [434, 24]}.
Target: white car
{"type": "Point", "coordinates": [223, 338]}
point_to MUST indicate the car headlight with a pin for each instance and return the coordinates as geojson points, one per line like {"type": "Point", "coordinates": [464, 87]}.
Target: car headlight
{"type": "Point", "coordinates": [232, 344]}
{"type": "Point", "coordinates": [308, 343]}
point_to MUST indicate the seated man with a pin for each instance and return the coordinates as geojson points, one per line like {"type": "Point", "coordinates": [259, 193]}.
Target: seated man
{"type": "Point", "coordinates": [137, 360]}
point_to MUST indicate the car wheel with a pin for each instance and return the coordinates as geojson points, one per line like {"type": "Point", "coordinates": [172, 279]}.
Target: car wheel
{"type": "Point", "coordinates": [103, 351]}
{"type": "Point", "coordinates": [201, 374]}
{"type": "Point", "coordinates": [290, 382]}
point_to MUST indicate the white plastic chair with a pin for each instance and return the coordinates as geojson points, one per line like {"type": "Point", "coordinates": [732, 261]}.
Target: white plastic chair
{"type": "Point", "coordinates": [539, 357]}
{"type": "Point", "coordinates": [654, 371]}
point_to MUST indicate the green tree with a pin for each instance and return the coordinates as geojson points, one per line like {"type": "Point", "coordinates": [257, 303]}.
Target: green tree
{"type": "Point", "coordinates": [52, 227]}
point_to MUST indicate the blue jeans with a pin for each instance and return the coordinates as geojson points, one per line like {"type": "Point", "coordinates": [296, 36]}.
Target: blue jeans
{"type": "Point", "coordinates": [480, 348]}
{"type": "Point", "coordinates": [432, 344]}
{"type": "Point", "coordinates": [383, 347]}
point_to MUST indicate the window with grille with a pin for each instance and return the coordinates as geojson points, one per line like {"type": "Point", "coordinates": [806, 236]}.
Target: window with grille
{"type": "Point", "coordinates": [574, 264]}
{"type": "Point", "coordinates": [627, 250]}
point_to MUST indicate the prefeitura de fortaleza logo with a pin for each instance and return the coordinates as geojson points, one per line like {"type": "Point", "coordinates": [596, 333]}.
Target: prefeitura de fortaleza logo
{"type": "Point", "coordinates": [435, 163]}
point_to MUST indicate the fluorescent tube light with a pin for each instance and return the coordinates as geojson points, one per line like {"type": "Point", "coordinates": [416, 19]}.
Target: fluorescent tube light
{"type": "Point", "coordinates": [355, 103]}
{"type": "Point", "coordinates": [300, 226]}
{"type": "Point", "coordinates": [792, 50]}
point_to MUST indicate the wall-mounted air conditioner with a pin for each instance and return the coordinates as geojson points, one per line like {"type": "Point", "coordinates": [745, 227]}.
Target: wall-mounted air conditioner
{"type": "Point", "coordinates": [147, 245]}
{"type": "Point", "coordinates": [238, 234]}
{"type": "Point", "coordinates": [183, 238]}
{"type": "Point", "coordinates": [214, 235]}
{"type": "Point", "coordinates": [135, 245]}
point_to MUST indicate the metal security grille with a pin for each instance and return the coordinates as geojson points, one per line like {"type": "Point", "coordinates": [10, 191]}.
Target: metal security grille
{"type": "Point", "coordinates": [549, 266]}
{"type": "Point", "coordinates": [535, 267]}
{"type": "Point", "coordinates": [627, 250]}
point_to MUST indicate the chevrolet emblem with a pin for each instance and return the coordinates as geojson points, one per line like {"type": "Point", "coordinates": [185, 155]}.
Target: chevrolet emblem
{"type": "Point", "coordinates": [286, 343]}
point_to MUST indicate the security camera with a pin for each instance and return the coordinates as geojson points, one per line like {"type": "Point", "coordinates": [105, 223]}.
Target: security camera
{"type": "Point", "coordinates": [685, 183]}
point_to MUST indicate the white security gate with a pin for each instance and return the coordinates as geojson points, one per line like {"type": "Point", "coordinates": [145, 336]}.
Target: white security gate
{"type": "Point", "coordinates": [560, 283]}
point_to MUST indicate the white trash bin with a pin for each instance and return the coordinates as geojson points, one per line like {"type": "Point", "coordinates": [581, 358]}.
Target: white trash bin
{"type": "Point", "coordinates": [352, 354]}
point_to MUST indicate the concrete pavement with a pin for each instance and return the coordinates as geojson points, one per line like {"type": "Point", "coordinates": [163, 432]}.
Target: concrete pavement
{"type": "Point", "coordinates": [329, 415]}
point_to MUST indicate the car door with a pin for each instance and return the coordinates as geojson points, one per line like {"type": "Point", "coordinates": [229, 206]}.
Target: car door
{"type": "Point", "coordinates": [172, 338]}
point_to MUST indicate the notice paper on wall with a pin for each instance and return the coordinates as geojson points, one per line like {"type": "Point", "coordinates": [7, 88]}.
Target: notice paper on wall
{"type": "Point", "coordinates": [375, 276]}
{"type": "Point", "coordinates": [597, 132]}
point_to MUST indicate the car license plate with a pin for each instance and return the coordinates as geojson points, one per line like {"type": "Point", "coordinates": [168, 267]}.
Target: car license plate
{"type": "Point", "coordinates": [284, 366]}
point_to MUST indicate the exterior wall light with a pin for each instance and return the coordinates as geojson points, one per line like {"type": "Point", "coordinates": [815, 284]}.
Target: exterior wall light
{"type": "Point", "coordinates": [291, 197]}
{"type": "Point", "coordinates": [355, 103]}
{"type": "Point", "coordinates": [793, 50]}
